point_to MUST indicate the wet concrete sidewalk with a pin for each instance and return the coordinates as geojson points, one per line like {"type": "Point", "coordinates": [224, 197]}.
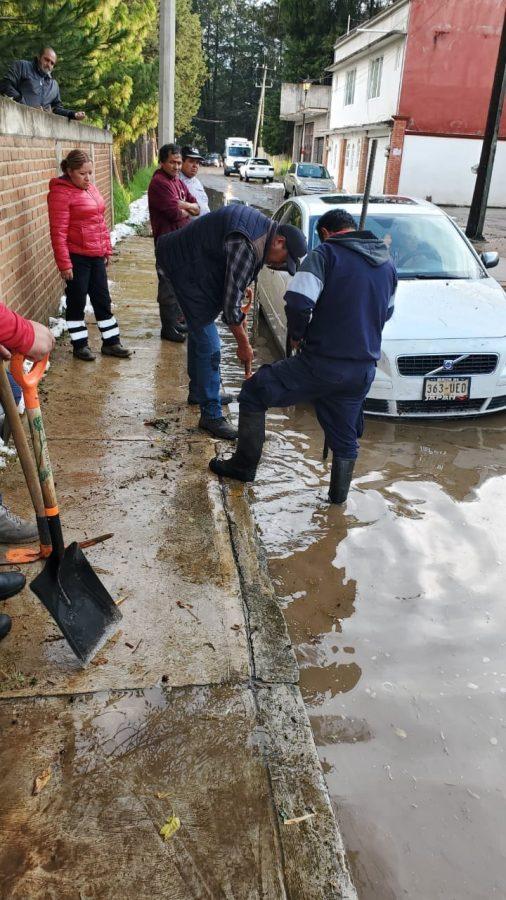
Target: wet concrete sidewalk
{"type": "Point", "coordinates": [192, 711]}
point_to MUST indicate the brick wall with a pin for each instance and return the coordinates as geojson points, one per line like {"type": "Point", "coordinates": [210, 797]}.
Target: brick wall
{"type": "Point", "coordinates": [32, 144]}
{"type": "Point", "coordinates": [394, 161]}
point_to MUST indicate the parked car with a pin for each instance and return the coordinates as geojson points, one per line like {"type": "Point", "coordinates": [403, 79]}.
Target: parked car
{"type": "Point", "coordinates": [212, 159]}
{"type": "Point", "coordinates": [444, 349]}
{"type": "Point", "coordinates": [256, 167]}
{"type": "Point", "coordinates": [307, 178]}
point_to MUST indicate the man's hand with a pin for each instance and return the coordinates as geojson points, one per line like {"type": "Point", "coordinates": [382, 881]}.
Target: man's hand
{"type": "Point", "coordinates": [4, 353]}
{"type": "Point", "coordinates": [43, 343]}
{"type": "Point", "coordinates": [80, 115]}
{"type": "Point", "coordinates": [67, 274]}
{"type": "Point", "coordinates": [244, 348]}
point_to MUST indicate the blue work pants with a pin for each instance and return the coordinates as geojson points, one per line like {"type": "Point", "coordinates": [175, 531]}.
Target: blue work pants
{"type": "Point", "coordinates": [204, 354]}
{"type": "Point", "coordinates": [338, 397]}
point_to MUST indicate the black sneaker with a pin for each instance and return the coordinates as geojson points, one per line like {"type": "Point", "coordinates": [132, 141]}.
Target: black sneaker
{"type": "Point", "coordinates": [116, 350]}
{"type": "Point", "coordinates": [84, 353]}
{"type": "Point", "coordinates": [219, 428]}
{"type": "Point", "coordinates": [172, 334]}
{"type": "Point", "coordinates": [225, 399]}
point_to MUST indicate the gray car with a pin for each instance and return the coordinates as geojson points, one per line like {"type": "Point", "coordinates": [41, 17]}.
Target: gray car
{"type": "Point", "coordinates": [307, 178]}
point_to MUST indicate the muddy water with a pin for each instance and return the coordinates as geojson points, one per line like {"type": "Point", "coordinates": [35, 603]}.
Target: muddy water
{"type": "Point", "coordinates": [395, 605]}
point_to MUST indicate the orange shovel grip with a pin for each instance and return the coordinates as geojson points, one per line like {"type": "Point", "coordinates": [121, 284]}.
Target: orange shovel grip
{"type": "Point", "coordinates": [28, 380]}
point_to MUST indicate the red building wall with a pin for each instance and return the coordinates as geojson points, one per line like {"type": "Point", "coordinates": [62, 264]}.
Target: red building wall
{"type": "Point", "coordinates": [451, 54]}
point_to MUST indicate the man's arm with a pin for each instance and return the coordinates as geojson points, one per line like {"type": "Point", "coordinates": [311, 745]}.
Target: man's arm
{"type": "Point", "coordinates": [9, 85]}
{"type": "Point", "coordinates": [163, 198]}
{"type": "Point", "coordinates": [240, 271]}
{"type": "Point", "coordinates": [300, 299]}
{"type": "Point", "coordinates": [391, 303]}
{"type": "Point", "coordinates": [59, 109]}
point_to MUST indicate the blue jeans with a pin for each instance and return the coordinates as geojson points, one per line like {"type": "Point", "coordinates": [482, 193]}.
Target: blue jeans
{"type": "Point", "coordinates": [204, 355]}
{"type": "Point", "coordinates": [338, 398]}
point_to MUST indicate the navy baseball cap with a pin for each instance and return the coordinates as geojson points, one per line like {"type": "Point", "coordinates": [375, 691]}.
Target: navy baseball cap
{"type": "Point", "coordinates": [191, 153]}
{"type": "Point", "coordinates": [296, 245]}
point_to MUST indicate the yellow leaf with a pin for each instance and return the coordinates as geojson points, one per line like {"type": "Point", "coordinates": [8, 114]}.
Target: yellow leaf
{"type": "Point", "coordinates": [169, 829]}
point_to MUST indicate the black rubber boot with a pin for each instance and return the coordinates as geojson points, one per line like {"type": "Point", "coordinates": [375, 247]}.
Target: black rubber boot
{"type": "Point", "coordinates": [5, 625]}
{"type": "Point", "coordinates": [11, 583]}
{"type": "Point", "coordinates": [243, 464]}
{"type": "Point", "coordinates": [340, 479]}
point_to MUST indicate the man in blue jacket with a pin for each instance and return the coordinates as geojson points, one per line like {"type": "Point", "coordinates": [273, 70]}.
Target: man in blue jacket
{"type": "Point", "coordinates": [31, 82]}
{"type": "Point", "coordinates": [336, 307]}
{"type": "Point", "coordinates": [209, 264]}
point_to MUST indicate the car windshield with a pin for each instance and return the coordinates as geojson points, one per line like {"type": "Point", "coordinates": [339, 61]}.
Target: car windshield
{"type": "Point", "coordinates": [309, 170]}
{"type": "Point", "coordinates": [239, 151]}
{"type": "Point", "coordinates": [421, 246]}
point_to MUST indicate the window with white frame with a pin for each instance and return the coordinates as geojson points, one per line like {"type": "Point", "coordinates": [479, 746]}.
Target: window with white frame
{"type": "Point", "coordinates": [374, 82]}
{"type": "Point", "coordinates": [349, 87]}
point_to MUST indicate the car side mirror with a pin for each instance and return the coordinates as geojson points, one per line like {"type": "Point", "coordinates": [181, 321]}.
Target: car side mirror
{"type": "Point", "coordinates": [490, 259]}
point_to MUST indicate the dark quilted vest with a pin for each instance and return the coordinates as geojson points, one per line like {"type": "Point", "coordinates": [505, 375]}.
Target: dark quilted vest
{"type": "Point", "coordinates": [194, 257]}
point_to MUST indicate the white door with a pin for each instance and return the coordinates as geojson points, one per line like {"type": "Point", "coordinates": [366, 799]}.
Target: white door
{"type": "Point", "coordinates": [351, 165]}
{"type": "Point", "coordinates": [378, 178]}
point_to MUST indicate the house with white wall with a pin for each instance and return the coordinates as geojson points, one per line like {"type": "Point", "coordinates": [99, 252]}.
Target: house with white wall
{"type": "Point", "coordinates": [417, 77]}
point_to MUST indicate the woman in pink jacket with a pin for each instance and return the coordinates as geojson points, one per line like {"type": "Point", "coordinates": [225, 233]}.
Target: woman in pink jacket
{"type": "Point", "coordinates": [82, 247]}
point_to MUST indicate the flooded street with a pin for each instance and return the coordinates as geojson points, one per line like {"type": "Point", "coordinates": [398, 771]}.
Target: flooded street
{"type": "Point", "coordinates": [395, 605]}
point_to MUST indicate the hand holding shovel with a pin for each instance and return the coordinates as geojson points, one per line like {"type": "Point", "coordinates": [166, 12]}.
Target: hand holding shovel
{"type": "Point", "coordinates": [67, 585]}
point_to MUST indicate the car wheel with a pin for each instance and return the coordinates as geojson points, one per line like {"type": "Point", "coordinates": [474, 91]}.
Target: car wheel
{"type": "Point", "coordinates": [270, 180]}
{"type": "Point", "coordinates": [240, 177]}
{"type": "Point", "coordinates": [286, 195]}
{"type": "Point", "coordinates": [247, 179]}
{"type": "Point", "coordinates": [227, 173]}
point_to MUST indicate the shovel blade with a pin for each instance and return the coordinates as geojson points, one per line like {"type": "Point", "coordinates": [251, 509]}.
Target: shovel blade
{"type": "Point", "coordinates": [78, 602]}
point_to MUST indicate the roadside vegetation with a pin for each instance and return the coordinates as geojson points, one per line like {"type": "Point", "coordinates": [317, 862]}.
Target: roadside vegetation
{"type": "Point", "coordinates": [125, 194]}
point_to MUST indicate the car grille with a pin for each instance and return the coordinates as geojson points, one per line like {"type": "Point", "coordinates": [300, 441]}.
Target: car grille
{"type": "Point", "coordinates": [497, 402]}
{"type": "Point", "coordinates": [429, 407]}
{"type": "Point", "coordinates": [375, 406]}
{"type": "Point", "coordinates": [475, 364]}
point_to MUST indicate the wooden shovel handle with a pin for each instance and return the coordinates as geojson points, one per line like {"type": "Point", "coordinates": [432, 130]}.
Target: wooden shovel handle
{"type": "Point", "coordinates": [21, 443]}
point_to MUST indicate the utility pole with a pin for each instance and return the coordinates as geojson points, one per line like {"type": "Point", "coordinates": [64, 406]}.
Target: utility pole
{"type": "Point", "coordinates": [306, 84]}
{"type": "Point", "coordinates": [167, 80]}
{"type": "Point", "coordinates": [478, 209]}
{"type": "Point", "coordinates": [260, 108]}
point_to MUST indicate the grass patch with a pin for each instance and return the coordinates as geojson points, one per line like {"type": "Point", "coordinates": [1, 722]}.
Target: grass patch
{"type": "Point", "coordinates": [125, 194]}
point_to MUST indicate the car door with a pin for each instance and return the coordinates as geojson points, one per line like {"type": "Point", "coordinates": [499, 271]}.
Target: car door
{"type": "Point", "coordinates": [289, 179]}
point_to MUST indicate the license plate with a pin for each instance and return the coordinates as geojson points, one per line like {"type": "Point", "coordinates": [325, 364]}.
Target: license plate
{"type": "Point", "coordinates": [446, 387]}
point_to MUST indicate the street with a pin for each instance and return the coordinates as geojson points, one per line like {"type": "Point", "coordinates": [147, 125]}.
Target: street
{"type": "Point", "coordinates": [395, 608]}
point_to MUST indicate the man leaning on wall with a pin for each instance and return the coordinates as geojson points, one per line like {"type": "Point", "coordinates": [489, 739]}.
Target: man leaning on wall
{"type": "Point", "coordinates": [31, 83]}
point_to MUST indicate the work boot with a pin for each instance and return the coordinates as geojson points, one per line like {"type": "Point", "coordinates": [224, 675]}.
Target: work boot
{"type": "Point", "coordinates": [225, 399]}
{"type": "Point", "coordinates": [84, 353]}
{"type": "Point", "coordinates": [5, 625]}
{"type": "Point", "coordinates": [219, 428]}
{"type": "Point", "coordinates": [171, 333]}
{"type": "Point", "coordinates": [243, 464]}
{"type": "Point", "coordinates": [11, 583]}
{"type": "Point", "coordinates": [116, 350]}
{"type": "Point", "coordinates": [14, 530]}
{"type": "Point", "coordinates": [340, 479]}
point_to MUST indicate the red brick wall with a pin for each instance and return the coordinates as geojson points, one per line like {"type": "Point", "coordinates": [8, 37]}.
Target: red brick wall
{"type": "Point", "coordinates": [29, 280]}
{"type": "Point", "coordinates": [394, 161]}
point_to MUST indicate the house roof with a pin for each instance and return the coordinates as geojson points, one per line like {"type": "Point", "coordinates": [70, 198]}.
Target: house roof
{"type": "Point", "coordinates": [371, 24]}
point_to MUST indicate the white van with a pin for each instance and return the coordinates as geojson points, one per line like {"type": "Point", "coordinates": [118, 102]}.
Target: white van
{"type": "Point", "coordinates": [237, 150]}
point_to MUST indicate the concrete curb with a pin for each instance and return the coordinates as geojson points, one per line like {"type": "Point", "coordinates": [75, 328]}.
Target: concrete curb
{"type": "Point", "coordinates": [314, 858]}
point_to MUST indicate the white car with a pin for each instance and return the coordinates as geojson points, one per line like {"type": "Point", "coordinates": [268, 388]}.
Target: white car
{"type": "Point", "coordinates": [444, 349]}
{"type": "Point", "coordinates": [256, 167]}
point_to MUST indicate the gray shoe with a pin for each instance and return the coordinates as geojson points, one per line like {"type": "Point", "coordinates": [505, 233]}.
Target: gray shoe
{"type": "Point", "coordinates": [14, 530]}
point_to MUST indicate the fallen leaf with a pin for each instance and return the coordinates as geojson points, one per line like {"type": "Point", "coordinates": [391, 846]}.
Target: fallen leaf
{"type": "Point", "coordinates": [299, 819]}
{"type": "Point", "coordinates": [40, 782]}
{"type": "Point", "coordinates": [169, 829]}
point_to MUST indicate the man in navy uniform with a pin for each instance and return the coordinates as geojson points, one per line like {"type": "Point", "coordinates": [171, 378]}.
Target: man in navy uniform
{"type": "Point", "coordinates": [336, 307]}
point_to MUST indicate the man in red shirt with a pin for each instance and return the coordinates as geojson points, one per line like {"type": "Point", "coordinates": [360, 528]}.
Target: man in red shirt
{"type": "Point", "coordinates": [171, 206]}
{"type": "Point", "coordinates": [33, 340]}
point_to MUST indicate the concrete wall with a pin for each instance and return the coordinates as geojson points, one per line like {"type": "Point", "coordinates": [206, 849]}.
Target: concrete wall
{"type": "Point", "coordinates": [441, 168]}
{"type": "Point", "coordinates": [32, 144]}
{"type": "Point", "coordinates": [451, 55]}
